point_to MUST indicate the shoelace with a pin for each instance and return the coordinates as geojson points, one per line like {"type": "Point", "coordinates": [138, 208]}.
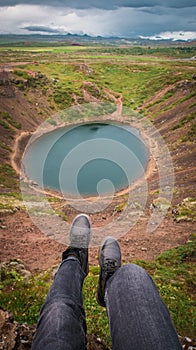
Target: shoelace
{"type": "Point", "coordinates": [110, 267]}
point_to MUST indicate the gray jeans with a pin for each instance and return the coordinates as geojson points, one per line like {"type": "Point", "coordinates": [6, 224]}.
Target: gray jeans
{"type": "Point", "coordinates": [138, 318]}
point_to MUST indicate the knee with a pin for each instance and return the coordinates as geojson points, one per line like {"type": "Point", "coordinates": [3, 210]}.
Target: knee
{"type": "Point", "coordinates": [132, 270]}
{"type": "Point", "coordinates": [133, 273]}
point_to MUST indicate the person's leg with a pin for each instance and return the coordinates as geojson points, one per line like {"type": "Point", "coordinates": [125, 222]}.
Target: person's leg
{"type": "Point", "coordinates": [138, 318]}
{"type": "Point", "coordinates": [61, 325]}
{"type": "Point", "coordinates": [62, 321]}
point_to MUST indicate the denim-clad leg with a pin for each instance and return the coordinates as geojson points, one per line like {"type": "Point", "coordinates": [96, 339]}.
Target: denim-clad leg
{"type": "Point", "coordinates": [61, 325]}
{"type": "Point", "coordinates": [139, 320]}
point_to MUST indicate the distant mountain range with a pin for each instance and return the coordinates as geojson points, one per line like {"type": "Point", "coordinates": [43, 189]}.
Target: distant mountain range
{"type": "Point", "coordinates": [77, 40]}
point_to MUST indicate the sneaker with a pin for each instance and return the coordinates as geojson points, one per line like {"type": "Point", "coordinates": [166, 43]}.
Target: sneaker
{"type": "Point", "coordinates": [80, 235]}
{"type": "Point", "coordinates": [109, 261]}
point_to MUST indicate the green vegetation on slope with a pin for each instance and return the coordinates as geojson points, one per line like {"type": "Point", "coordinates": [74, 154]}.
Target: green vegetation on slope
{"type": "Point", "coordinates": [136, 72]}
{"type": "Point", "coordinates": [136, 81]}
{"type": "Point", "coordinates": [8, 177]}
{"type": "Point", "coordinates": [7, 119]}
{"type": "Point", "coordinates": [173, 272]}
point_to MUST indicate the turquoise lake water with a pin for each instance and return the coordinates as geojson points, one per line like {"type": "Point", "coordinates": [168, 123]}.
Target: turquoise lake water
{"type": "Point", "coordinates": [87, 159]}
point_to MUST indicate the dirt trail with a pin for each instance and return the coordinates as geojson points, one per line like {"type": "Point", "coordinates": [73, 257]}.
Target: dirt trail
{"type": "Point", "coordinates": [157, 96]}
{"type": "Point", "coordinates": [16, 150]}
{"type": "Point", "coordinates": [7, 65]}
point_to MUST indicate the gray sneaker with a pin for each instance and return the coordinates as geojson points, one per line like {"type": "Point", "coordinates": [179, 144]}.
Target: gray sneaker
{"type": "Point", "coordinates": [80, 235]}
{"type": "Point", "coordinates": [109, 261]}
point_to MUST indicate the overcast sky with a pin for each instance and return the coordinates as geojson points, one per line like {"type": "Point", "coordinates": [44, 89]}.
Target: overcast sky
{"type": "Point", "coordinates": [172, 19]}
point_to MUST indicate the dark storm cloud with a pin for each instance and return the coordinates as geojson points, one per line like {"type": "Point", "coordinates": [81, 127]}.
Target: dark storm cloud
{"type": "Point", "coordinates": [42, 29]}
{"type": "Point", "coordinates": [102, 4]}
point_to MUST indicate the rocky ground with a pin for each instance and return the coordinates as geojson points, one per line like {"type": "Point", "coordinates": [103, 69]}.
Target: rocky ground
{"type": "Point", "coordinates": [15, 336]}
{"type": "Point", "coordinates": [20, 238]}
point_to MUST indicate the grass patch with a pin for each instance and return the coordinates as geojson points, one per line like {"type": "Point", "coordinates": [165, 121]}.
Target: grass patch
{"type": "Point", "coordinates": [128, 72]}
{"type": "Point", "coordinates": [24, 297]}
{"type": "Point", "coordinates": [11, 201]}
{"type": "Point", "coordinates": [96, 318]}
{"type": "Point", "coordinates": [4, 146]}
{"type": "Point", "coordinates": [166, 96]}
{"type": "Point", "coordinates": [173, 273]}
{"type": "Point", "coordinates": [191, 135]}
{"type": "Point", "coordinates": [23, 74]}
{"type": "Point", "coordinates": [87, 48]}
{"type": "Point", "coordinates": [186, 210]}
{"type": "Point", "coordinates": [8, 178]}
{"type": "Point", "coordinates": [6, 126]}
{"type": "Point", "coordinates": [181, 100]}
{"type": "Point", "coordinates": [6, 116]}
{"type": "Point", "coordinates": [189, 118]}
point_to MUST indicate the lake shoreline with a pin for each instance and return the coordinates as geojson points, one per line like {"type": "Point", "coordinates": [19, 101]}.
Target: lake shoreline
{"type": "Point", "coordinates": [48, 128]}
